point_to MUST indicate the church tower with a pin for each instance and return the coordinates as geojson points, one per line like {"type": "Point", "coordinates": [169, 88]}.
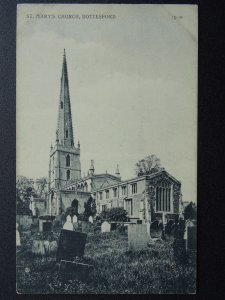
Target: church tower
{"type": "Point", "coordinates": [64, 165]}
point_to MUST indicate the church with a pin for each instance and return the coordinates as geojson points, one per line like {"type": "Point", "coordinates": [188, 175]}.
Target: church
{"type": "Point", "coordinates": [159, 191]}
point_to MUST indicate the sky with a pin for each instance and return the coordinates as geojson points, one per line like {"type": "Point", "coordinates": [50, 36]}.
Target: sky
{"type": "Point", "coordinates": [133, 86]}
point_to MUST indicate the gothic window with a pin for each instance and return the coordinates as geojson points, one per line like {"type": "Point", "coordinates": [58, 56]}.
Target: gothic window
{"type": "Point", "coordinates": [68, 174]}
{"type": "Point", "coordinates": [66, 133]}
{"type": "Point", "coordinates": [114, 192]}
{"type": "Point", "coordinates": [129, 207]}
{"type": "Point", "coordinates": [123, 190]}
{"type": "Point", "coordinates": [100, 195]}
{"type": "Point", "coordinates": [61, 104]}
{"type": "Point", "coordinates": [68, 160]}
{"type": "Point", "coordinates": [104, 207]}
{"type": "Point", "coordinates": [134, 188]}
{"type": "Point", "coordinates": [163, 199]}
{"type": "Point", "coordinates": [107, 194]}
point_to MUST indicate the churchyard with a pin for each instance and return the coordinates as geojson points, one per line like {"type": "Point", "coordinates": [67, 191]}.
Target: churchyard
{"type": "Point", "coordinates": [110, 264]}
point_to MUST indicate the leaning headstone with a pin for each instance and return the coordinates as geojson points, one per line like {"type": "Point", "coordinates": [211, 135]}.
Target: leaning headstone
{"type": "Point", "coordinates": [105, 227]}
{"type": "Point", "coordinates": [138, 238]}
{"type": "Point", "coordinates": [71, 244]}
{"type": "Point", "coordinates": [90, 219]}
{"type": "Point", "coordinates": [18, 243]}
{"type": "Point", "coordinates": [75, 270]}
{"type": "Point", "coordinates": [68, 225]}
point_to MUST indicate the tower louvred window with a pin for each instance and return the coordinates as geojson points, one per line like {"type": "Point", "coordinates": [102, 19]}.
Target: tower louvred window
{"type": "Point", "coordinates": [68, 174]}
{"type": "Point", "coordinates": [61, 104]}
{"type": "Point", "coordinates": [68, 160]}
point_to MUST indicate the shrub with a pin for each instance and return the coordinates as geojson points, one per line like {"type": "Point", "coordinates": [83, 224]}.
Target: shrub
{"type": "Point", "coordinates": [114, 214]}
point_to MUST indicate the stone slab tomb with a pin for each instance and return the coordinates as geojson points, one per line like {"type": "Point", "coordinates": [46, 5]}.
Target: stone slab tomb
{"type": "Point", "coordinates": [138, 238]}
{"type": "Point", "coordinates": [71, 244]}
{"type": "Point", "coordinates": [74, 270]}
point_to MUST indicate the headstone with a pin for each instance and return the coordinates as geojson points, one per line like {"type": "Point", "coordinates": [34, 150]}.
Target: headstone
{"type": "Point", "coordinates": [71, 244]}
{"type": "Point", "coordinates": [113, 226]}
{"type": "Point", "coordinates": [75, 223]}
{"type": "Point", "coordinates": [90, 219]}
{"type": "Point", "coordinates": [24, 222]}
{"type": "Point", "coordinates": [68, 225]}
{"type": "Point", "coordinates": [138, 238]}
{"type": "Point", "coordinates": [18, 243]}
{"type": "Point", "coordinates": [75, 270]}
{"type": "Point", "coordinates": [75, 219]}
{"type": "Point", "coordinates": [85, 227]}
{"type": "Point", "coordinates": [47, 226]}
{"type": "Point", "coordinates": [105, 227]}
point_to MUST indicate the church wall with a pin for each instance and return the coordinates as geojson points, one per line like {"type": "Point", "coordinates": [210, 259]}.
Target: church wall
{"type": "Point", "coordinates": [68, 197]}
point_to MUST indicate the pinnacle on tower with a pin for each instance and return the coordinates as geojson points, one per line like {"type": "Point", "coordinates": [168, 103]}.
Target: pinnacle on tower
{"type": "Point", "coordinates": [117, 171]}
{"type": "Point", "coordinates": [92, 169]}
{"type": "Point", "coordinates": [64, 135]}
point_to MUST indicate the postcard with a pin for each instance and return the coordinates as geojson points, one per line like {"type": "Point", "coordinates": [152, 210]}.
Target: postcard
{"type": "Point", "coordinates": [106, 148]}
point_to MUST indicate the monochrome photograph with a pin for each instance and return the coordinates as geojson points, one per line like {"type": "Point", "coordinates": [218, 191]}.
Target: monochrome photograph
{"type": "Point", "coordinates": [106, 148]}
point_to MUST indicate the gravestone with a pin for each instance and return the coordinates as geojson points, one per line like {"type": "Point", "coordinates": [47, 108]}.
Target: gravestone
{"type": "Point", "coordinates": [68, 225]}
{"type": "Point", "coordinates": [105, 227]}
{"type": "Point", "coordinates": [90, 219]}
{"type": "Point", "coordinates": [24, 222]}
{"type": "Point", "coordinates": [47, 226]}
{"type": "Point", "coordinates": [75, 219]}
{"type": "Point", "coordinates": [87, 227]}
{"type": "Point", "coordinates": [71, 244]}
{"type": "Point", "coordinates": [113, 226]}
{"type": "Point", "coordinates": [74, 270]}
{"type": "Point", "coordinates": [138, 238]}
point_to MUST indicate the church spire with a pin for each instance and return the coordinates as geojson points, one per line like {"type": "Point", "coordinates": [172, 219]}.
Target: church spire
{"type": "Point", "coordinates": [64, 132]}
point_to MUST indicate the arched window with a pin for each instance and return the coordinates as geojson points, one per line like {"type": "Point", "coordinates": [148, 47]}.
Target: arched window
{"type": "Point", "coordinates": [68, 160]}
{"type": "Point", "coordinates": [68, 174]}
{"type": "Point", "coordinates": [61, 104]}
{"type": "Point", "coordinates": [66, 133]}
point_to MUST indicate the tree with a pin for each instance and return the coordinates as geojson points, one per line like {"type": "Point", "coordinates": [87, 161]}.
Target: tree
{"type": "Point", "coordinates": [27, 187]}
{"type": "Point", "coordinates": [148, 165]}
{"type": "Point", "coordinates": [41, 187]}
{"type": "Point", "coordinates": [73, 209]}
{"type": "Point", "coordinates": [190, 211]}
{"type": "Point", "coordinates": [90, 207]}
{"type": "Point", "coordinates": [24, 190]}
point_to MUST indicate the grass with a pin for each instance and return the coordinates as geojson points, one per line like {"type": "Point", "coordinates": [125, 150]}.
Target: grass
{"type": "Point", "coordinates": [116, 270]}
